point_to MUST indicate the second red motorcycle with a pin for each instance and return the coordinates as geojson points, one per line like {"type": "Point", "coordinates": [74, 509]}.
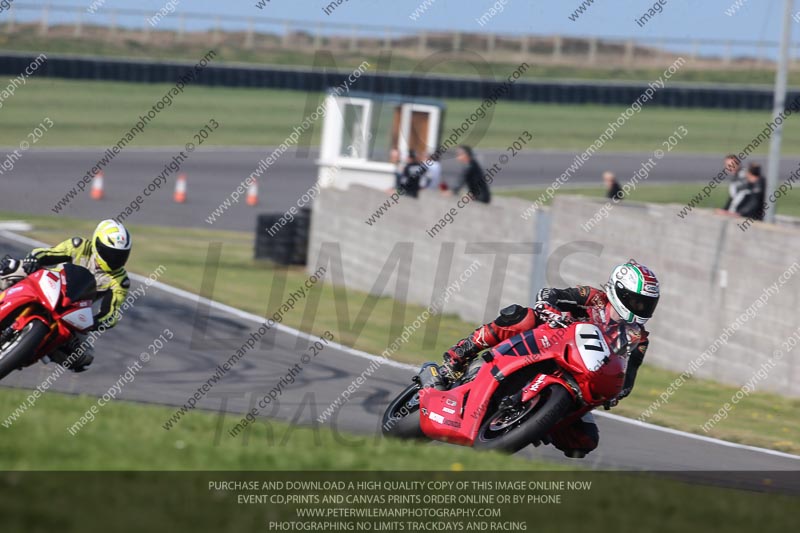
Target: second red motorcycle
{"type": "Point", "coordinates": [41, 312]}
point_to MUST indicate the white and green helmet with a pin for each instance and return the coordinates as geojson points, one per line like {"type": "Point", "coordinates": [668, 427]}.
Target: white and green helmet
{"type": "Point", "coordinates": [633, 292]}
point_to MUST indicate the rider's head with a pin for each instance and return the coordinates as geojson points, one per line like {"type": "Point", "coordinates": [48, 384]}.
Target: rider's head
{"type": "Point", "coordinates": [633, 292]}
{"type": "Point", "coordinates": [112, 245]}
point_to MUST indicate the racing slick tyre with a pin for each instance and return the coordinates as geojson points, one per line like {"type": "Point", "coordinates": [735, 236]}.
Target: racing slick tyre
{"type": "Point", "coordinates": [18, 350]}
{"type": "Point", "coordinates": [511, 429]}
{"type": "Point", "coordinates": [401, 419]}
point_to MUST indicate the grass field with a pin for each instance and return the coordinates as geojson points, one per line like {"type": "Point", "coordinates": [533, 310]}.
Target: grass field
{"type": "Point", "coordinates": [763, 419]}
{"type": "Point", "coordinates": [87, 113]}
{"type": "Point", "coordinates": [123, 469]}
{"type": "Point", "coordinates": [30, 42]}
{"type": "Point", "coordinates": [678, 194]}
{"type": "Point", "coordinates": [134, 433]}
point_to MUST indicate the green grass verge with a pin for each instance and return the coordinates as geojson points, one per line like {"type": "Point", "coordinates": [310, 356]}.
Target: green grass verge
{"type": "Point", "coordinates": [762, 419]}
{"type": "Point", "coordinates": [146, 478]}
{"type": "Point", "coordinates": [33, 43]}
{"type": "Point", "coordinates": [679, 194]}
{"type": "Point", "coordinates": [88, 113]}
{"type": "Point", "coordinates": [129, 436]}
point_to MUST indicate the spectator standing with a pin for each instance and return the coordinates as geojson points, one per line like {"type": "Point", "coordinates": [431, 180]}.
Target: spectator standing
{"type": "Point", "coordinates": [472, 176]}
{"type": "Point", "coordinates": [748, 201]}
{"type": "Point", "coordinates": [613, 190]}
{"type": "Point", "coordinates": [738, 177]}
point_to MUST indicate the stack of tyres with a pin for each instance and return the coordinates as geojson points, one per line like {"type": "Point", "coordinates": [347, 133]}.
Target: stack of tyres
{"type": "Point", "coordinates": [278, 246]}
{"type": "Point", "coordinates": [286, 244]}
{"type": "Point", "coordinates": [302, 230]}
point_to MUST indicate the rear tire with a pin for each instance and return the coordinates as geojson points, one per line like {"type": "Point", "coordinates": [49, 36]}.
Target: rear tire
{"type": "Point", "coordinates": [20, 350]}
{"type": "Point", "coordinates": [401, 418]}
{"type": "Point", "coordinates": [531, 426]}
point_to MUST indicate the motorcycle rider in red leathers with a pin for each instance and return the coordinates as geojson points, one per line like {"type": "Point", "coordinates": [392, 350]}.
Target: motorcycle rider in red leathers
{"type": "Point", "coordinates": [630, 295]}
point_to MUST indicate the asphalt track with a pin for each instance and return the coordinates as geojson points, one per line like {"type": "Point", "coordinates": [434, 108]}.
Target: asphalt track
{"type": "Point", "coordinates": [40, 178]}
{"type": "Point", "coordinates": [188, 360]}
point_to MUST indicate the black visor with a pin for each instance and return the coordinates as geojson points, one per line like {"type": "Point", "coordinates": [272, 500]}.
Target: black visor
{"type": "Point", "coordinates": [114, 258]}
{"type": "Point", "coordinates": [641, 305]}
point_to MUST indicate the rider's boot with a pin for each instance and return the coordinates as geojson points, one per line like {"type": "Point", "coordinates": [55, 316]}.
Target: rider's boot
{"type": "Point", "coordinates": [76, 354]}
{"type": "Point", "coordinates": [458, 357]}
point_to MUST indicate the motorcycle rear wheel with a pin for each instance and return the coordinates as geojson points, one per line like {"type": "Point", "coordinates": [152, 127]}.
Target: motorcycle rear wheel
{"type": "Point", "coordinates": [401, 418]}
{"type": "Point", "coordinates": [510, 431]}
{"type": "Point", "coordinates": [22, 347]}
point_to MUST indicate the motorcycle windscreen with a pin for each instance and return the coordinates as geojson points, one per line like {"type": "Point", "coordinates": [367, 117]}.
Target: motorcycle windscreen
{"type": "Point", "coordinates": [80, 283]}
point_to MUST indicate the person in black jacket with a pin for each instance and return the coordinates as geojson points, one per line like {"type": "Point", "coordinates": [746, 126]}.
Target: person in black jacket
{"type": "Point", "coordinates": [472, 176]}
{"type": "Point", "coordinates": [748, 200]}
{"type": "Point", "coordinates": [613, 190]}
{"type": "Point", "coordinates": [408, 181]}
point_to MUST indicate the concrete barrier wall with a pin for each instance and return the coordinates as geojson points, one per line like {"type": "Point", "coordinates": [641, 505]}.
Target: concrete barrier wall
{"type": "Point", "coordinates": [730, 294]}
{"type": "Point", "coordinates": [339, 220]}
{"type": "Point", "coordinates": [711, 273]}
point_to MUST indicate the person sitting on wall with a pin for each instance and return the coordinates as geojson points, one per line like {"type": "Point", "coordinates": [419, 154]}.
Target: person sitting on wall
{"type": "Point", "coordinates": [409, 181]}
{"type": "Point", "coordinates": [433, 176]}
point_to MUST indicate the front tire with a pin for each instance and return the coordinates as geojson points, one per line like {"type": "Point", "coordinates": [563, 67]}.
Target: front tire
{"type": "Point", "coordinates": [509, 430]}
{"type": "Point", "coordinates": [20, 349]}
{"type": "Point", "coordinates": [401, 418]}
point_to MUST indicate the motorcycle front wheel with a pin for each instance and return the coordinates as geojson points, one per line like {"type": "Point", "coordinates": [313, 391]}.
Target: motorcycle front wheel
{"type": "Point", "coordinates": [20, 348]}
{"type": "Point", "coordinates": [511, 429]}
{"type": "Point", "coordinates": [401, 418]}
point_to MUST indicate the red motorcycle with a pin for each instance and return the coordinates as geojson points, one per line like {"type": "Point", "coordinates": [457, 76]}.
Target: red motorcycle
{"type": "Point", "coordinates": [520, 391]}
{"type": "Point", "coordinates": [41, 312]}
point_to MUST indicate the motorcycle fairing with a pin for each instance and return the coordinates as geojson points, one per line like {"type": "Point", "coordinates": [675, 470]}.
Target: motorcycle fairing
{"type": "Point", "coordinates": [468, 402]}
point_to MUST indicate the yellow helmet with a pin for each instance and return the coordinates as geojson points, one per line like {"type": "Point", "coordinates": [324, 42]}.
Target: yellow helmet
{"type": "Point", "coordinates": [112, 245]}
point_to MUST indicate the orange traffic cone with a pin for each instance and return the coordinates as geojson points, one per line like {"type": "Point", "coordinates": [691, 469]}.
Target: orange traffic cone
{"type": "Point", "coordinates": [252, 193]}
{"type": "Point", "coordinates": [180, 189]}
{"type": "Point", "coordinates": [97, 186]}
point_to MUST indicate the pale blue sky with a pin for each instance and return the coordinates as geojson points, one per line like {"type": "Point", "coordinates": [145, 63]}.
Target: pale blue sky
{"type": "Point", "coordinates": [680, 20]}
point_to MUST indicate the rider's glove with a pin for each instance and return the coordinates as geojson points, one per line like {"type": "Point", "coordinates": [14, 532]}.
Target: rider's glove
{"type": "Point", "coordinates": [561, 321]}
{"type": "Point", "coordinates": [30, 265]}
{"type": "Point", "coordinates": [551, 315]}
